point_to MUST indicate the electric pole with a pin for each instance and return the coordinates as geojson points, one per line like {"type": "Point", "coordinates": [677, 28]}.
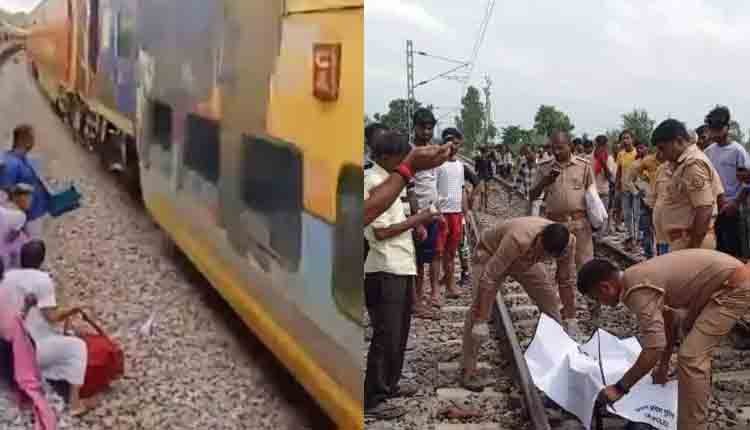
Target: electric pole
{"type": "Point", "coordinates": [409, 88]}
{"type": "Point", "coordinates": [488, 108]}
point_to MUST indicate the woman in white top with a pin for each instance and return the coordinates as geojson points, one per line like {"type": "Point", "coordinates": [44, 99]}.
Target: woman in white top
{"type": "Point", "coordinates": [13, 219]}
{"type": "Point", "coordinates": [60, 357]}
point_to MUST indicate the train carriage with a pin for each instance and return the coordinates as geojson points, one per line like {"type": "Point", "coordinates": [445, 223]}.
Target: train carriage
{"type": "Point", "coordinates": [242, 122]}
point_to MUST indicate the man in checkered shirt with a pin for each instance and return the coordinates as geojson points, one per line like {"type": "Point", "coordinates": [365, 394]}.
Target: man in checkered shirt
{"type": "Point", "coordinates": [525, 178]}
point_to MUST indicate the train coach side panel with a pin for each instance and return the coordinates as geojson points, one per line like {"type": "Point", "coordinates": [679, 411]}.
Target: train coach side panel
{"type": "Point", "coordinates": [113, 86]}
{"type": "Point", "coordinates": [227, 175]}
{"type": "Point", "coordinates": [50, 46]}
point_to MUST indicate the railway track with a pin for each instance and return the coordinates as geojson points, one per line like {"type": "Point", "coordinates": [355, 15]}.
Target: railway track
{"type": "Point", "coordinates": [730, 405]}
{"type": "Point", "coordinates": [511, 400]}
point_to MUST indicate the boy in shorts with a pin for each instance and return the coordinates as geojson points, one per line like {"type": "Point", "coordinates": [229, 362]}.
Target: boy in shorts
{"type": "Point", "coordinates": [450, 187]}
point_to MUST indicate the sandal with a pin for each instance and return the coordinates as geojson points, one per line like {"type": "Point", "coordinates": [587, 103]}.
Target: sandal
{"type": "Point", "coordinates": [385, 412]}
{"type": "Point", "coordinates": [405, 391]}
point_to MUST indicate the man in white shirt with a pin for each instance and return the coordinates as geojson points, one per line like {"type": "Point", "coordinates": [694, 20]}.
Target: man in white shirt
{"type": "Point", "coordinates": [389, 279]}
{"type": "Point", "coordinates": [423, 195]}
{"type": "Point", "coordinates": [728, 158]}
{"type": "Point", "coordinates": [60, 357]}
{"type": "Point", "coordinates": [450, 186]}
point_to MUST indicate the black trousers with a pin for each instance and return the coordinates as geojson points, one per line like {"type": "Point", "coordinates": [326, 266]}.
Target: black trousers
{"type": "Point", "coordinates": [728, 234]}
{"type": "Point", "coordinates": [388, 299]}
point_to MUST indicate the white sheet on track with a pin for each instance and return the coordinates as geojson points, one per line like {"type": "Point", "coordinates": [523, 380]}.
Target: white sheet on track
{"type": "Point", "coordinates": [570, 375]}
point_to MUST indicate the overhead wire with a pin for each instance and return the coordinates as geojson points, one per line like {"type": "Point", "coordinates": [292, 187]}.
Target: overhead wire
{"type": "Point", "coordinates": [478, 42]}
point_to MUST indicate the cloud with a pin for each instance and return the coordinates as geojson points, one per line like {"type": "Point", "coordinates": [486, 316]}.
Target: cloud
{"type": "Point", "coordinates": [405, 11]}
{"type": "Point", "coordinates": [593, 59]}
{"type": "Point", "coordinates": [18, 5]}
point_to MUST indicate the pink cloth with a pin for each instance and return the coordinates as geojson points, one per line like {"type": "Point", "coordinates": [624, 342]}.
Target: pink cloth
{"type": "Point", "coordinates": [26, 371]}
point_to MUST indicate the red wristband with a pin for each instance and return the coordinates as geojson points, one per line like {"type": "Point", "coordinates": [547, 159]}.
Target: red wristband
{"type": "Point", "coordinates": [405, 171]}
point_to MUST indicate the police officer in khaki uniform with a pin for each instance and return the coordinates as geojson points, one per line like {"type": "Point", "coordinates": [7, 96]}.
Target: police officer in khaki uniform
{"type": "Point", "coordinates": [711, 289]}
{"type": "Point", "coordinates": [564, 181]}
{"type": "Point", "coordinates": [655, 199]}
{"type": "Point", "coordinates": [690, 204]}
{"type": "Point", "coordinates": [515, 248]}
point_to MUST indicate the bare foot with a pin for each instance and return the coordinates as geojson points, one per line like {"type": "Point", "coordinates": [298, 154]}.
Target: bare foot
{"type": "Point", "coordinates": [437, 302]}
{"type": "Point", "coordinates": [84, 406]}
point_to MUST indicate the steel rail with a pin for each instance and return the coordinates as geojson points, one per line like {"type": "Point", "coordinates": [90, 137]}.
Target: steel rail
{"type": "Point", "coordinates": [510, 347]}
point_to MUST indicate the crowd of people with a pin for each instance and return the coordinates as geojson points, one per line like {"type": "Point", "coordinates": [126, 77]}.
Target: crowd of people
{"type": "Point", "coordinates": [683, 199]}
{"type": "Point", "coordinates": [32, 344]}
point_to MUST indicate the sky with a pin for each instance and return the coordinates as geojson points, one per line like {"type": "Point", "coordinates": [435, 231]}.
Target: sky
{"type": "Point", "coordinates": [592, 59]}
{"type": "Point", "coordinates": [18, 5]}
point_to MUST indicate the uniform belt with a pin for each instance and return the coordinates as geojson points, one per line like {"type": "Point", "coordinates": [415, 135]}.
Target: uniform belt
{"type": "Point", "coordinates": [571, 216]}
{"type": "Point", "coordinates": [682, 233]}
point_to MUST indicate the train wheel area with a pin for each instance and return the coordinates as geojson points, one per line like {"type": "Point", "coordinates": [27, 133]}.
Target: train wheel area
{"type": "Point", "coordinates": [189, 361]}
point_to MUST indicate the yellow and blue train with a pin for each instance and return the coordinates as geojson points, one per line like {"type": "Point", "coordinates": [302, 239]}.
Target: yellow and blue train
{"type": "Point", "coordinates": [241, 122]}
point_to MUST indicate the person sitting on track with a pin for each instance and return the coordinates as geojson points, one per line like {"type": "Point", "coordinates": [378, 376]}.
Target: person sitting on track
{"type": "Point", "coordinates": [19, 369]}
{"type": "Point", "coordinates": [711, 288]}
{"type": "Point", "coordinates": [516, 248]}
{"type": "Point", "coordinates": [390, 270]}
{"type": "Point", "coordinates": [61, 358]}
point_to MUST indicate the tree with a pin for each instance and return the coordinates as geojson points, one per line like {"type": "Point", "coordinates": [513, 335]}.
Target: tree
{"type": "Point", "coordinates": [549, 119]}
{"type": "Point", "coordinates": [735, 132]}
{"type": "Point", "coordinates": [513, 135]}
{"type": "Point", "coordinates": [397, 117]}
{"type": "Point", "coordinates": [492, 132]}
{"type": "Point", "coordinates": [471, 121]}
{"type": "Point", "coordinates": [368, 121]}
{"type": "Point", "coordinates": [640, 124]}
{"type": "Point", "coordinates": [613, 135]}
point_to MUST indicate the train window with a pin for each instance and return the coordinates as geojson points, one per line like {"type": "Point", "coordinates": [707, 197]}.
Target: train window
{"type": "Point", "coordinates": [161, 125]}
{"type": "Point", "coordinates": [202, 147]}
{"type": "Point", "coordinates": [348, 254]}
{"type": "Point", "coordinates": [272, 189]}
{"type": "Point", "coordinates": [161, 137]}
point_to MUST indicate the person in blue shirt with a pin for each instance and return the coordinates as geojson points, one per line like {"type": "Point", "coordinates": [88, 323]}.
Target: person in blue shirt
{"type": "Point", "coordinates": [18, 169]}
